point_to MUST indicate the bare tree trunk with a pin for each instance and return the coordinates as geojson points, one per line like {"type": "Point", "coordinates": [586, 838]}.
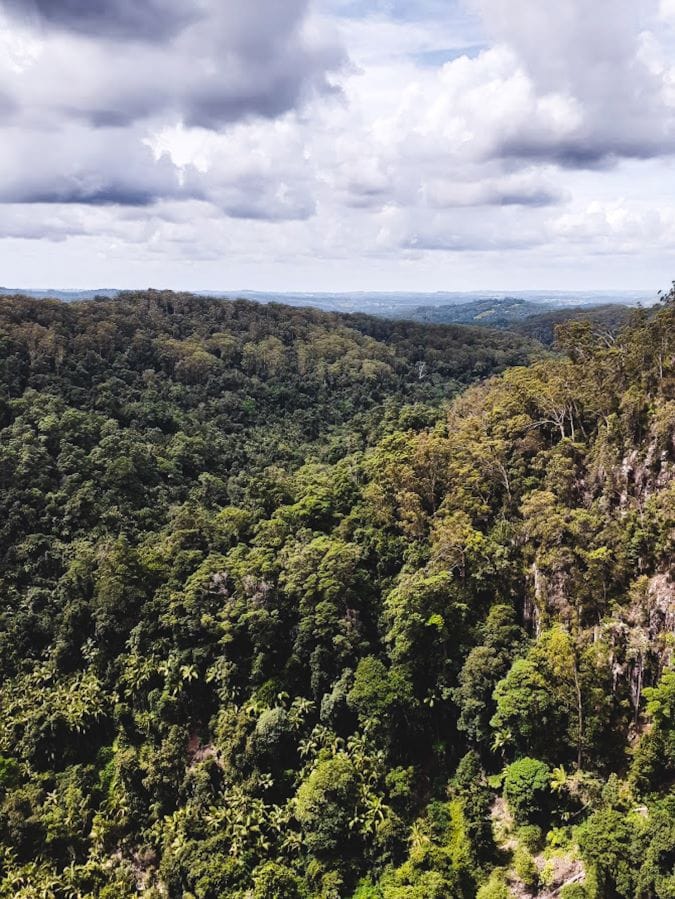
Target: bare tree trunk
{"type": "Point", "coordinates": [580, 716]}
{"type": "Point", "coordinates": [638, 689]}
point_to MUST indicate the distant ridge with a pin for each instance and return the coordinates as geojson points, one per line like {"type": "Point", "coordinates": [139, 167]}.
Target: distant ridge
{"type": "Point", "coordinates": [536, 320]}
{"type": "Point", "coordinates": [394, 304]}
{"type": "Point", "coordinates": [46, 293]}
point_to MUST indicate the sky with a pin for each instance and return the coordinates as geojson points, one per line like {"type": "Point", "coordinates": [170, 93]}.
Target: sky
{"type": "Point", "coordinates": [337, 145]}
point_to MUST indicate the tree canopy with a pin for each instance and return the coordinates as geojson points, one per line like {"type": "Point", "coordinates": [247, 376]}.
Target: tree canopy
{"type": "Point", "coordinates": [309, 605]}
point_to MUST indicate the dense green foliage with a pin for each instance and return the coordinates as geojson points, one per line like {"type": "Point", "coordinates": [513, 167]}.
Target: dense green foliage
{"type": "Point", "coordinates": [282, 618]}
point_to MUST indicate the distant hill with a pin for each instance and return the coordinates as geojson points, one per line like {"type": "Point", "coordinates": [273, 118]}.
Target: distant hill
{"type": "Point", "coordinates": [493, 312]}
{"type": "Point", "coordinates": [405, 304]}
{"type": "Point", "coordinates": [541, 326]}
{"type": "Point", "coordinates": [65, 295]}
{"type": "Point", "coordinates": [532, 319]}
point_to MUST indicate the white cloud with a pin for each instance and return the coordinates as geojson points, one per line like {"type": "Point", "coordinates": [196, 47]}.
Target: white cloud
{"type": "Point", "coordinates": [20, 47]}
{"type": "Point", "coordinates": [591, 54]}
{"type": "Point", "coordinates": [667, 10]}
{"type": "Point", "coordinates": [242, 134]}
{"type": "Point", "coordinates": [617, 226]}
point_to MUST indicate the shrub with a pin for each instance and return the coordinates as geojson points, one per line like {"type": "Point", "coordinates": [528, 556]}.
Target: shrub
{"type": "Point", "coordinates": [573, 891]}
{"type": "Point", "coordinates": [274, 881]}
{"type": "Point", "coordinates": [9, 772]}
{"type": "Point", "coordinates": [531, 836]}
{"type": "Point", "coordinates": [367, 890]}
{"type": "Point", "coordinates": [525, 868]}
{"type": "Point", "coordinates": [495, 888]}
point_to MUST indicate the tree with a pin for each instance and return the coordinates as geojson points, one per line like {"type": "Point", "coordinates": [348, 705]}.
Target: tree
{"type": "Point", "coordinates": [484, 667]}
{"type": "Point", "coordinates": [528, 717]}
{"type": "Point", "coordinates": [470, 785]}
{"type": "Point", "coordinates": [274, 881]}
{"type": "Point", "coordinates": [608, 848]}
{"type": "Point", "coordinates": [382, 698]}
{"type": "Point", "coordinates": [495, 888]}
{"type": "Point", "coordinates": [654, 757]}
{"type": "Point", "coordinates": [527, 790]}
{"type": "Point", "coordinates": [325, 804]}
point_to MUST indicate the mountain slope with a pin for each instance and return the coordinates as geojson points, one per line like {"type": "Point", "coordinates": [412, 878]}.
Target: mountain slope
{"type": "Point", "coordinates": [223, 677]}
{"type": "Point", "coordinates": [129, 404]}
{"type": "Point", "coordinates": [606, 320]}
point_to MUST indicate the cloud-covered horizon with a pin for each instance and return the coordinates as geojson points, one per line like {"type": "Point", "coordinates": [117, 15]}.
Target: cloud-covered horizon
{"type": "Point", "coordinates": [362, 141]}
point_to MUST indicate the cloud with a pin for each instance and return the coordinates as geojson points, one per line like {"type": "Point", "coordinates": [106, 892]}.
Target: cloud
{"type": "Point", "coordinates": [434, 138]}
{"type": "Point", "coordinates": [58, 223]}
{"type": "Point", "coordinates": [459, 231]}
{"type": "Point", "coordinates": [298, 133]}
{"type": "Point", "coordinates": [532, 188]}
{"type": "Point", "coordinates": [252, 172]}
{"type": "Point", "coordinates": [257, 170]}
{"type": "Point", "coordinates": [615, 226]}
{"type": "Point", "coordinates": [78, 165]}
{"type": "Point", "coordinates": [591, 56]}
{"type": "Point", "coordinates": [118, 19]}
{"type": "Point", "coordinates": [206, 63]}
{"type": "Point", "coordinates": [96, 83]}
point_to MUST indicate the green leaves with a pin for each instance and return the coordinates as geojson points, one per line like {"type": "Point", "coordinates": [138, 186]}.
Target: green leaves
{"type": "Point", "coordinates": [47, 718]}
{"type": "Point", "coordinates": [527, 790]}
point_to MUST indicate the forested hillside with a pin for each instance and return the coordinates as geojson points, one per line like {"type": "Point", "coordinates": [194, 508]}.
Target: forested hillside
{"type": "Point", "coordinates": [535, 320]}
{"type": "Point", "coordinates": [291, 607]}
{"type": "Point", "coordinates": [493, 312]}
{"type": "Point", "coordinates": [606, 320]}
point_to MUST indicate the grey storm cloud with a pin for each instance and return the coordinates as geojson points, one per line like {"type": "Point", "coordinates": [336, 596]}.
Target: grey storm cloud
{"type": "Point", "coordinates": [84, 167]}
{"type": "Point", "coordinates": [206, 63]}
{"type": "Point", "coordinates": [117, 19]}
{"type": "Point", "coordinates": [535, 198]}
{"type": "Point", "coordinates": [586, 151]}
{"type": "Point", "coordinates": [113, 167]}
